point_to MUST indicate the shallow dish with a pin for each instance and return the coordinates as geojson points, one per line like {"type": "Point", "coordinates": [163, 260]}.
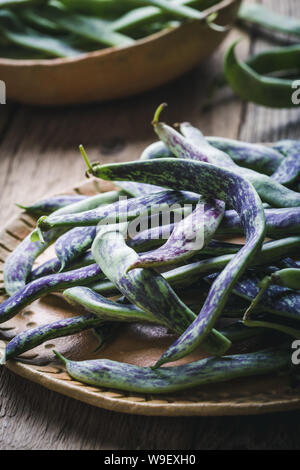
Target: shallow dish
{"type": "Point", "coordinates": [116, 72]}
{"type": "Point", "coordinates": [135, 344]}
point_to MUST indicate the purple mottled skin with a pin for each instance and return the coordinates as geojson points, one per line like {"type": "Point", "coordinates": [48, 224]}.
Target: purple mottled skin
{"type": "Point", "coordinates": [289, 170]}
{"type": "Point", "coordinates": [73, 243]}
{"type": "Point", "coordinates": [111, 374]}
{"type": "Point", "coordinates": [127, 209]}
{"type": "Point", "coordinates": [99, 310]}
{"type": "Point", "coordinates": [279, 222]}
{"type": "Point", "coordinates": [196, 147]}
{"type": "Point", "coordinates": [210, 181]}
{"type": "Point", "coordinates": [33, 337]}
{"type": "Point", "coordinates": [145, 287]}
{"type": "Point", "coordinates": [51, 204]}
{"type": "Point", "coordinates": [53, 265]}
{"type": "Point", "coordinates": [256, 157]}
{"type": "Point", "coordinates": [55, 282]}
{"type": "Point", "coordinates": [19, 263]}
{"type": "Point", "coordinates": [277, 300]}
{"type": "Point", "coordinates": [190, 235]}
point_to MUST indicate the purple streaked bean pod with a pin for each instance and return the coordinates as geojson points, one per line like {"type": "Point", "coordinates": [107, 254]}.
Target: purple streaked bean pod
{"type": "Point", "coordinates": [51, 204]}
{"type": "Point", "coordinates": [72, 244]}
{"type": "Point", "coordinates": [35, 289]}
{"type": "Point", "coordinates": [188, 237]}
{"type": "Point", "coordinates": [112, 374]}
{"type": "Point", "coordinates": [99, 309]}
{"type": "Point", "coordinates": [124, 210]}
{"type": "Point", "coordinates": [145, 287]}
{"type": "Point", "coordinates": [289, 170]}
{"type": "Point", "coordinates": [189, 274]}
{"type": "Point", "coordinates": [53, 266]}
{"type": "Point", "coordinates": [256, 157]}
{"type": "Point", "coordinates": [196, 147]}
{"type": "Point", "coordinates": [276, 299]}
{"type": "Point", "coordinates": [210, 181]}
{"type": "Point", "coordinates": [19, 264]}
{"type": "Point", "coordinates": [279, 222]}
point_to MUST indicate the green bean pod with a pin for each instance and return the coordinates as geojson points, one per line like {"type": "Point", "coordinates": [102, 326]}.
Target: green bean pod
{"type": "Point", "coordinates": [114, 257]}
{"type": "Point", "coordinates": [267, 91]}
{"type": "Point", "coordinates": [111, 374]}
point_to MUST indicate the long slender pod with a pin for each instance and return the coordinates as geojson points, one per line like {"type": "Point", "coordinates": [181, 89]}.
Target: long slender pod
{"type": "Point", "coordinates": [35, 289]}
{"type": "Point", "coordinates": [289, 170]}
{"type": "Point", "coordinates": [73, 243]}
{"type": "Point", "coordinates": [111, 374]}
{"type": "Point", "coordinates": [53, 266]}
{"type": "Point", "coordinates": [257, 157]}
{"type": "Point", "coordinates": [145, 287]}
{"type": "Point", "coordinates": [126, 209]}
{"type": "Point", "coordinates": [18, 265]}
{"type": "Point", "coordinates": [51, 204]}
{"type": "Point", "coordinates": [273, 92]}
{"type": "Point", "coordinates": [280, 222]}
{"type": "Point", "coordinates": [215, 182]}
{"type": "Point", "coordinates": [189, 236]}
{"type": "Point", "coordinates": [195, 146]}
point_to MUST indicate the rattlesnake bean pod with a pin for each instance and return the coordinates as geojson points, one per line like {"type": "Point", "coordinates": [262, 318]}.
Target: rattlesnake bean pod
{"type": "Point", "coordinates": [194, 146]}
{"type": "Point", "coordinates": [127, 209]}
{"type": "Point", "coordinates": [276, 299]}
{"type": "Point", "coordinates": [279, 222]}
{"type": "Point", "coordinates": [18, 265]}
{"type": "Point", "coordinates": [114, 257]}
{"type": "Point", "coordinates": [189, 236]}
{"type": "Point", "coordinates": [214, 182]}
{"type": "Point", "coordinates": [35, 289]}
{"type": "Point", "coordinates": [73, 243]}
{"type": "Point", "coordinates": [289, 170]}
{"type": "Point", "coordinates": [111, 374]}
{"type": "Point", "coordinates": [53, 266]}
{"type": "Point", "coordinates": [51, 204]}
{"type": "Point", "coordinates": [257, 157]}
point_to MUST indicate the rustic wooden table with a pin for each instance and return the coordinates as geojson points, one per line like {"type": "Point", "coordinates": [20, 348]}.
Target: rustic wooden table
{"type": "Point", "coordinates": [38, 154]}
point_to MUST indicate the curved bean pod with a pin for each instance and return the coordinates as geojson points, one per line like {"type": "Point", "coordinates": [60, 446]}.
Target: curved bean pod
{"type": "Point", "coordinates": [51, 204]}
{"type": "Point", "coordinates": [257, 157]}
{"type": "Point", "coordinates": [35, 289]}
{"type": "Point", "coordinates": [160, 299]}
{"type": "Point", "coordinates": [251, 86]}
{"type": "Point", "coordinates": [122, 210]}
{"type": "Point", "coordinates": [194, 146]}
{"type": "Point", "coordinates": [276, 299]}
{"type": "Point", "coordinates": [111, 374]}
{"type": "Point", "coordinates": [217, 183]}
{"type": "Point", "coordinates": [19, 263]}
{"type": "Point", "coordinates": [279, 222]}
{"type": "Point", "coordinates": [53, 265]}
{"type": "Point", "coordinates": [73, 243]}
{"type": "Point", "coordinates": [289, 169]}
{"type": "Point", "coordinates": [189, 236]}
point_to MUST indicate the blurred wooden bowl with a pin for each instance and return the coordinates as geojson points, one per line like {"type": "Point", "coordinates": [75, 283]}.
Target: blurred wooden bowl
{"type": "Point", "coordinates": [116, 72]}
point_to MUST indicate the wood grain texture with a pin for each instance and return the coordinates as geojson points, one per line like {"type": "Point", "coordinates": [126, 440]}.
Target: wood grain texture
{"type": "Point", "coordinates": [38, 153]}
